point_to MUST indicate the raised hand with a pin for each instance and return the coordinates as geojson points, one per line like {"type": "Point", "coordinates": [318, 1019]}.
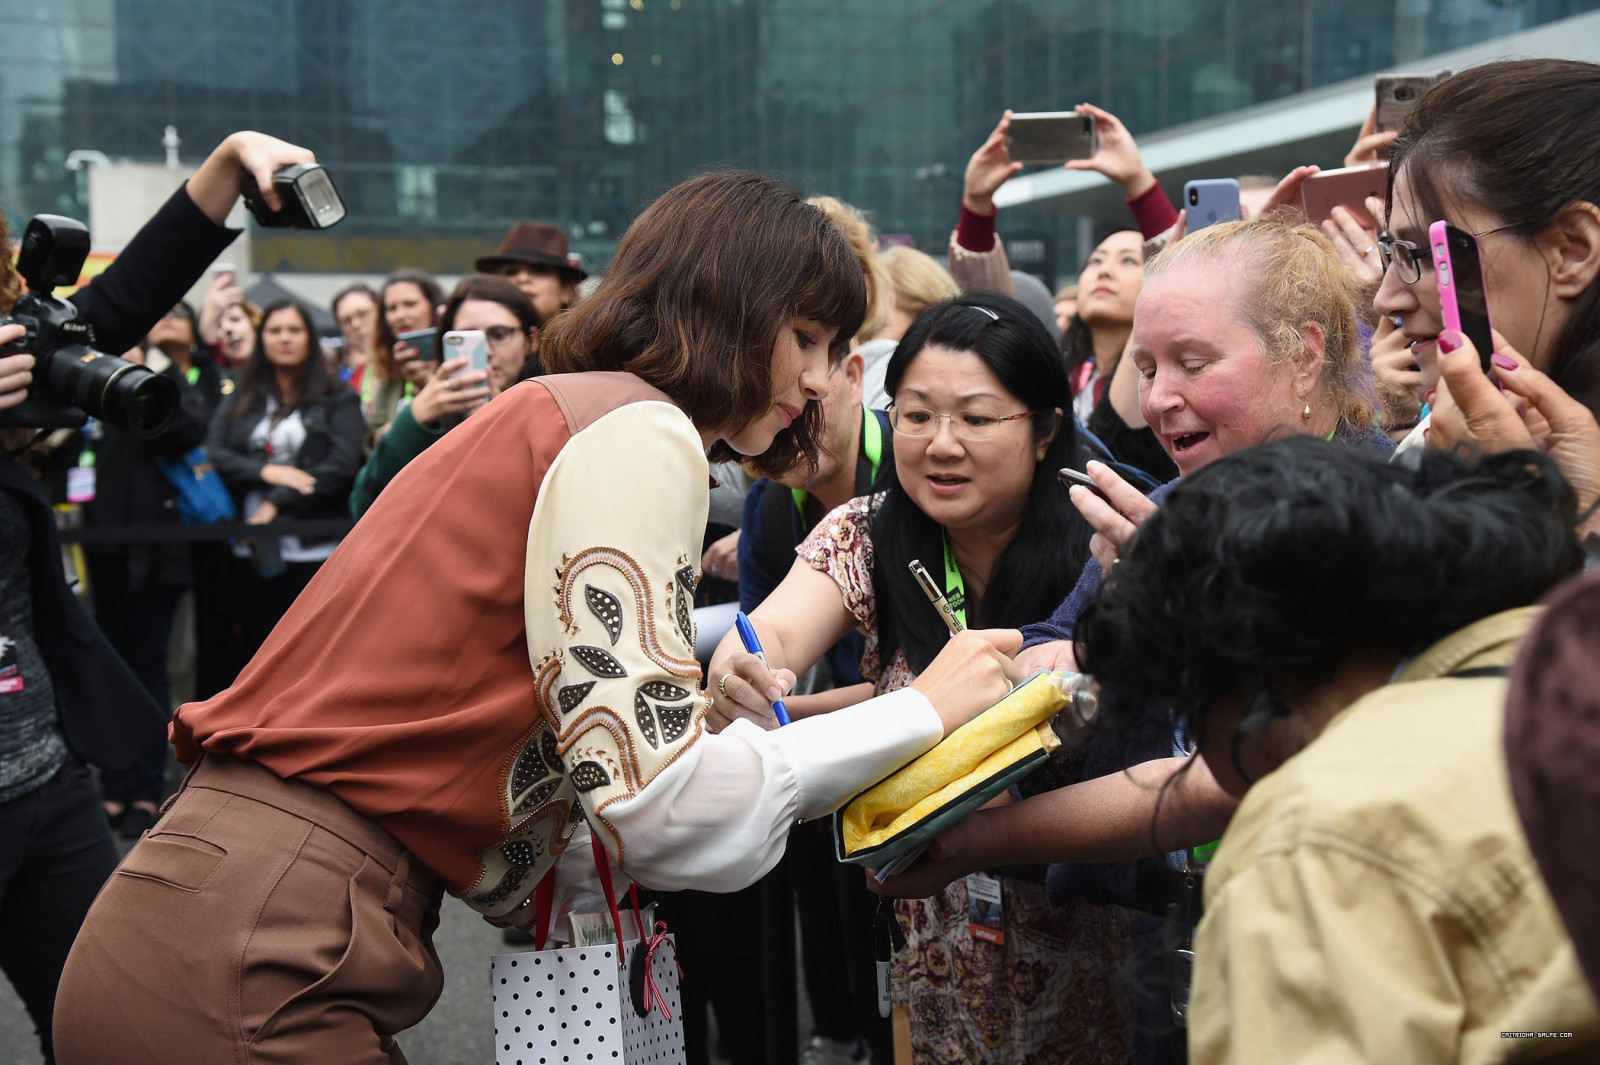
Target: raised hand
{"type": "Point", "coordinates": [988, 169]}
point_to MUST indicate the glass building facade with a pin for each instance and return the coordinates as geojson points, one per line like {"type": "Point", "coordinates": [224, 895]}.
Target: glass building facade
{"type": "Point", "coordinates": [444, 121]}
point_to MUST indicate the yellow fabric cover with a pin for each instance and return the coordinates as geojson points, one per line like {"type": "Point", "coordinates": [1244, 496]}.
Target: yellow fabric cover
{"type": "Point", "coordinates": [996, 738]}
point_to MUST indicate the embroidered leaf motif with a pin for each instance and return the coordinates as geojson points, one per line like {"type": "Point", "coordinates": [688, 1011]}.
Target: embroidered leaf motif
{"type": "Point", "coordinates": [682, 602]}
{"type": "Point", "coordinates": [519, 852]}
{"type": "Point", "coordinates": [660, 689]}
{"type": "Point", "coordinates": [509, 884]}
{"type": "Point", "coordinates": [547, 747]}
{"type": "Point", "coordinates": [537, 797]}
{"type": "Point", "coordinates": [599, 662]}
{"type": "Point", "coordinates": [530, 768]}
{"type": "Point", "coordinates": [684, 617]}
{"type": "Point", "coordinates": [674, 720]}
{"type": "Point", "coordinates": [586, 776]}
{"type": "Point", "coordinates": [572, 695]}
{"type": "Point", "coordinates": [647, 720]}
{"type": "Point", "coordinates": [606, 607]}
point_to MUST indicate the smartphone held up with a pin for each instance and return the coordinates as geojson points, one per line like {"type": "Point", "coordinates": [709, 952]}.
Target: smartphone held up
{"type": "Point", "coordinates": [1210, 201]}
{"type": "Point", "coordinates": [1397, 94]}
{"type": "Point", "coordinates": [1348, 187]}
{"type": "Point", "coordinates": [472, 343]}
{"type": "Point", "coordinates": [1050, 137]}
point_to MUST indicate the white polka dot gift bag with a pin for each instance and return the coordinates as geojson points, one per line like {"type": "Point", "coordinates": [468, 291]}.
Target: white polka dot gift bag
{"type": "Point", "coordinates": [590, 1005]}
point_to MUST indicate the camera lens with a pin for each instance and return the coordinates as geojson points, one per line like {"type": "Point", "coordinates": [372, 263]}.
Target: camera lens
{"type": "Point", "coordinates": [1194, 197]}
{"type": "Point", "coordinates": [141, 402]}
{"type": "Point", "coordinates": [119, 393]}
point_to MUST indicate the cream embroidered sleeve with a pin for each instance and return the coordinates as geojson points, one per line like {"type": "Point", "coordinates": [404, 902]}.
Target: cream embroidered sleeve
{"type": "Point", "coordinates": [611, 569]}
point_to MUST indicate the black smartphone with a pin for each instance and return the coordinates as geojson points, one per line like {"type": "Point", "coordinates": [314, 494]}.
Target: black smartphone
{"type": "Point", "coordinates": [1069, 477]}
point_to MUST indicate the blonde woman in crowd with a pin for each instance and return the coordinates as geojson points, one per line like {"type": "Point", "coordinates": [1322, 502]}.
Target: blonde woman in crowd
{"type": "Point", "coordinates": [916, 282]}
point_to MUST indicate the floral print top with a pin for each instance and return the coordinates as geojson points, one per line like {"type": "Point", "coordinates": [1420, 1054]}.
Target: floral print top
{"type": "Point", "coordinates": [841, 547]}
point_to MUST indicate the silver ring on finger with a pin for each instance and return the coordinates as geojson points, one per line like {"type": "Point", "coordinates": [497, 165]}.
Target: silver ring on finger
{"type": "Point", "coordinates": [1370, 249]}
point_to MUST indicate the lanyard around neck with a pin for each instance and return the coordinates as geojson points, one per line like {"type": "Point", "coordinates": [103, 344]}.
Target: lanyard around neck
{"type": "Point", "coordinates": [955, 589]}
{"type": "Point", "coordinates": [871, 447]}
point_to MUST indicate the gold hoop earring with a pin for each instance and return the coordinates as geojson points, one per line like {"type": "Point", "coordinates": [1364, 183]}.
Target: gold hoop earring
{"type": "Point", "coordinates": [1306, 413]}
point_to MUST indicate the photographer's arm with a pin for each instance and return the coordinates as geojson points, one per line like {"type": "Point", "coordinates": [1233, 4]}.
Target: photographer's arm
{"type": "Point", "coordinates": [174, 248]}
{"type": "Point", "coordinates": [244, 157]}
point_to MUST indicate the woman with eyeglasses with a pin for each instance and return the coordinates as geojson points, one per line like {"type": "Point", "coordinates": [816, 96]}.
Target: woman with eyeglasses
{"type": "Point", "coordinates": [1509, 152]}
{"type": "Point", "coordinates": [979, 394]}
{"type": "Point", "coordinates": [510, 325]}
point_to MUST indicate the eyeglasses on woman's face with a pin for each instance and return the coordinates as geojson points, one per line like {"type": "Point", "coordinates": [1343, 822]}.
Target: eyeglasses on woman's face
{"type": "Point", "coordinates": [972, 424]}
{"type": "Point", "coordinates": [501, 335]}
{"type": "Point", "coordinates": [1412, 259]}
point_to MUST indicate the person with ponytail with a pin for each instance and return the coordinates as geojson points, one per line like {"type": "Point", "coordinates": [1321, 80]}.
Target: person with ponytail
{"type": "Point", "coordinates": [1334, 632]}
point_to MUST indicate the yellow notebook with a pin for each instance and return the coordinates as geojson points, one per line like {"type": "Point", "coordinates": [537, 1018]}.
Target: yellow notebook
{"type": "Point", "coordinates": [969, 767]}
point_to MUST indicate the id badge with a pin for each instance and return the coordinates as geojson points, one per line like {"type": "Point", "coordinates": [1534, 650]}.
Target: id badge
{"type": "Point", "coordinates": [80, 484]}
{"type": "Point", "coordinates": [985, 918]}
{"type": "Point", "coordinates": [10, 670]}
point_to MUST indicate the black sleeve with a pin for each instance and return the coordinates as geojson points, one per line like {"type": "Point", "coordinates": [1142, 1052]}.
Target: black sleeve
{"type": "Point", "coordinates": [150, 275]}
{"type": "Point", "coordinates": [237, 469]}
{"type": "Point", "coordinates": [335, 463]}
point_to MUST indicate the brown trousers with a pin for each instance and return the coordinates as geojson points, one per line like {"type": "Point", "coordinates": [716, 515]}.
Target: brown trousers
{"type": "Point", "coordinates": [260, 920]}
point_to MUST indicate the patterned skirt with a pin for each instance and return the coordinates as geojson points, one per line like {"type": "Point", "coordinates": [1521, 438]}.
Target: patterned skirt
{"type": "Point", "coordinates": [1052, 994]}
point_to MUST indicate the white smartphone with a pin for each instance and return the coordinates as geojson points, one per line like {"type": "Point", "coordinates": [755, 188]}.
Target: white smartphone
{"type": "Point", "coordinates": [224, 268]}
{"type": "Point", "coordinates": [473, 343]}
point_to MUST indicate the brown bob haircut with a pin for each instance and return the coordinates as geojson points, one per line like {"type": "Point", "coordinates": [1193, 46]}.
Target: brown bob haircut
{"type": "Point", "coordinates": [698, 294]}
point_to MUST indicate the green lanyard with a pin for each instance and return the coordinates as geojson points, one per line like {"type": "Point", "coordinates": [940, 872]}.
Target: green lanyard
{"type": "Point", "coordinates": [871, 445]}
{"type": "Point", "coordinates": [955, 589]}
{"type": "Point", "coordinates": [193, 375]}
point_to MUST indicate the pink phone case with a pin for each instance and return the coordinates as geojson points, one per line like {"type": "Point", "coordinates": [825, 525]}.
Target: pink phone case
{"type": "Point", "coordinates": [1477, 329]}
{"type": "Point", "coordinates": [1448, 307]}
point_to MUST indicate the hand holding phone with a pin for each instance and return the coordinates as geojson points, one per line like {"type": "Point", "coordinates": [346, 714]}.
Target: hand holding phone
{"type": "Point", "coordinates": [423, 342]}
{"type": "Point", "coordinates": [1068, 477]}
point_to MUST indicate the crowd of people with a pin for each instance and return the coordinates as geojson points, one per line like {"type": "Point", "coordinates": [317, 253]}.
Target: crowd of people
{"type": "Point", "coordinates": [1324, 561]}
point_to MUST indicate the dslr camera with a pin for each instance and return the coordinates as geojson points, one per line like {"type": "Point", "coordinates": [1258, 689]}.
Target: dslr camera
{"type": "Point", "coordinates": [71, 380]}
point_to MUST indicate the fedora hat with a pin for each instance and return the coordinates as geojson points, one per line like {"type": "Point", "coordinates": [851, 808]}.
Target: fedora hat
{"type": "Point", "coordinates": [539, 243]}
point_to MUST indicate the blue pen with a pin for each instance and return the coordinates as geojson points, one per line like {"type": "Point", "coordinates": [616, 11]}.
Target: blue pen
{"type": "Point", "coordinates": [752, 643]}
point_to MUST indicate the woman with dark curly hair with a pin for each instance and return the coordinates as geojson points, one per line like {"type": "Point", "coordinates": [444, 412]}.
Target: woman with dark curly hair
{"type": "Point", "coordinates": [1335, 631]}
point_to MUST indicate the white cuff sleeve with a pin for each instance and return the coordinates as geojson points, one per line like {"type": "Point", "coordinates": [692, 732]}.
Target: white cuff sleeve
{"type": "Point", "coordinates": [719, 817]}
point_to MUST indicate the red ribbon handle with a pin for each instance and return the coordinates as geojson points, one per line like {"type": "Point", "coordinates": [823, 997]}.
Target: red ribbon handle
{"type": "Point", "coordinates": [652, 994]}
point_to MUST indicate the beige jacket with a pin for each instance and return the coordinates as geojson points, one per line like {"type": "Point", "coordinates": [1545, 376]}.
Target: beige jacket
{"type": "Point", "coordinates": [1374, 899]}
{"type": "Point", "coordinates": [981, 271]}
